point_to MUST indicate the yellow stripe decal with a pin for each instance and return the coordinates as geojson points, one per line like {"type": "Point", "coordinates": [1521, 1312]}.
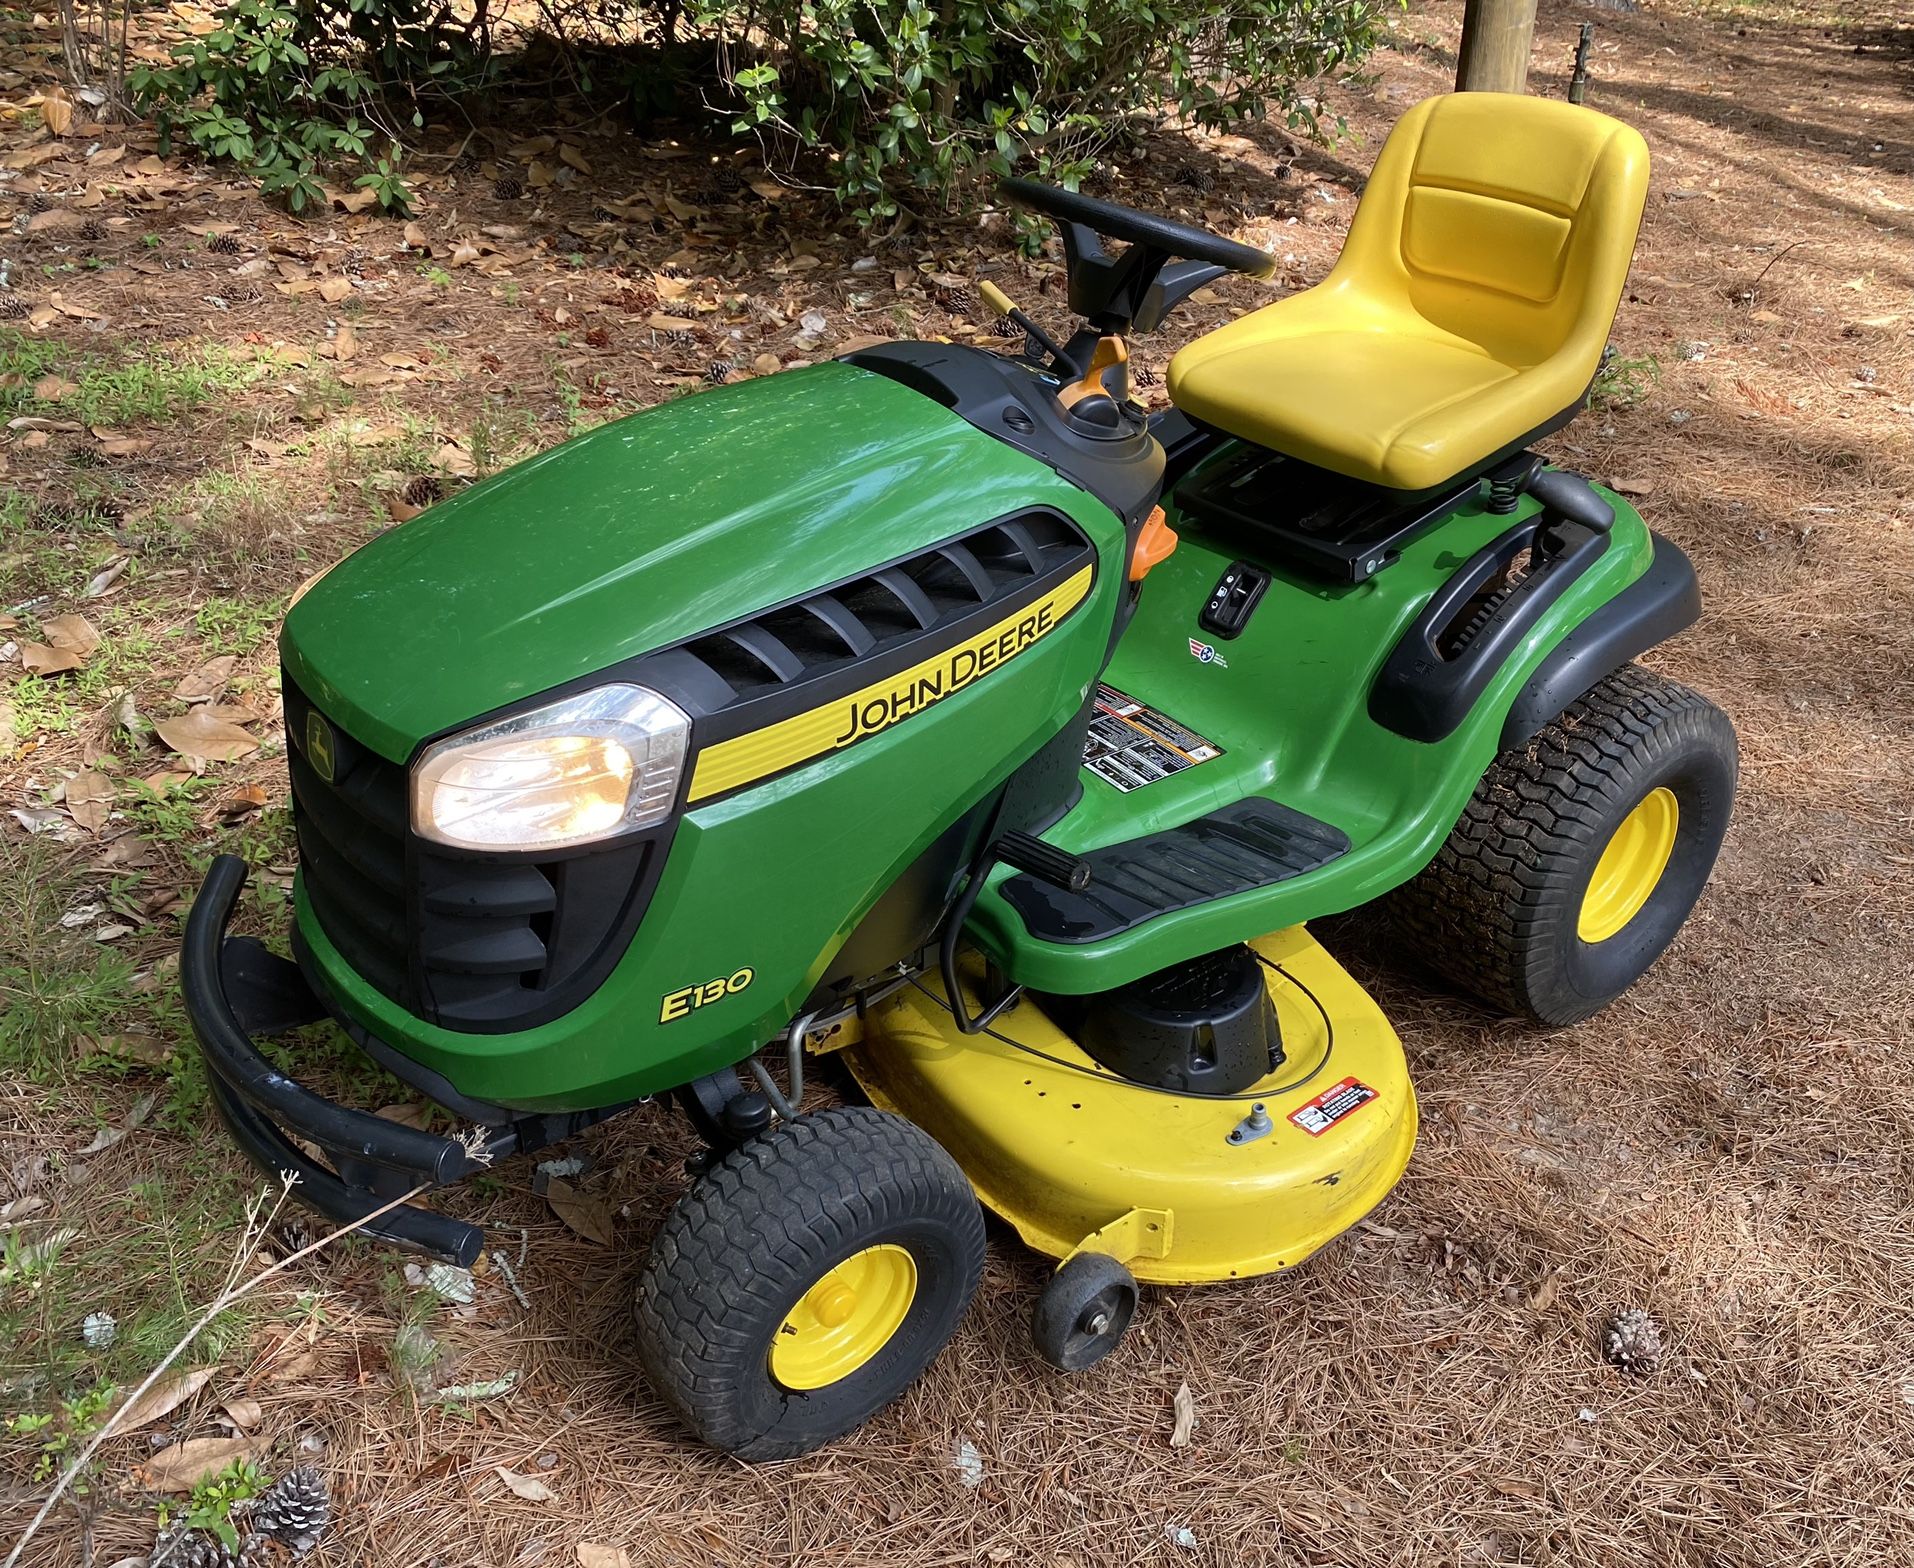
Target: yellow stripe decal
{"type": "Point", "coordinates": [732, 764]}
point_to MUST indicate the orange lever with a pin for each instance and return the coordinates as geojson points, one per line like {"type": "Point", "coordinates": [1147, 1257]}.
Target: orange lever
{"type": "Point", "coordinates": [1110, 352]}
{"type": "Point", "coordinates": [1154, 544]}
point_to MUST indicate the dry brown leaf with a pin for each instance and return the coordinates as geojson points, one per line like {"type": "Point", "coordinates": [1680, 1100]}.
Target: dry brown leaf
{"type": "Point", "coordinates": [124, 446]}
{"type": "Point", "coordinates": [352, 201]}
{"type": "Point", "coordinates": [538, 176]}
{"type": "Point", "coordinates": [74, 633]}
{"type": "Point", "coordinates": [767, 364]}
{"type": "Point", "coordinates": [528, 1487]}
{"type": "Point", "coordinates": [401, 510]}
{"type": "Point", "coordinates": [50, 389]}
{"type": "Point", "coordinates": [589, 1217]}
{"type": "Point", "coordinates": [147, 1049]}
{"type": "Point", "coordinates": [167, 778]}
{"type": "Point", "coordinates": [662, 323]}
{"type": "Point", "coordinates": [1635, 487]}
{"type": "Point", "coordinates": [415, 237]}
{"type": "Point", "coordinates": [570, 154]}
{"type": "Point", "coordinates": [208, 680]}
{"type": "Point", "coordinates": [243, 802]}
{"type": "Point", "coordinates": [406, 1114]}
{"type": "Point", "coordinates": [243, 1413]}
{"type": "Point", "coordinates": [57, 110]}
{"type": "Point", "coordinates": [591, 1554]}
{"type": "Point", "coordinates": [465, 253]}
{"type": "Point", "coordinates": [332, 290]}
{"type": "Point", "coordinates": [38, 659]}
{"type": "Point", "coordinates": [89, 799]}
{"type": "Point", "coordinates": [345, 342]}
{"type": "Point", "coordinates": [201, 735]}
{"type": "Point", "coordinates": [105, 157]}
{"type": "Point", "coordinates": [184, 1465]}
{"type": "Point", "coordinates": [53, 218]}
{"type": "Point", "coordinates": [164, 1397]}
{"type": "Point", "coordinates": [455, 460]}
{"type": "Point", "coordinates": [1185, 1405]}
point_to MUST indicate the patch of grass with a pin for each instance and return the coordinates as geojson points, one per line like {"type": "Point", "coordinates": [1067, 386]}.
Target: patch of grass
{"type": "Point", "coordinates": [150, 386]}
{"type": "Point", "coordinates": [234, 625]}
{"type": "Point", "coordinates": [1624, 381]}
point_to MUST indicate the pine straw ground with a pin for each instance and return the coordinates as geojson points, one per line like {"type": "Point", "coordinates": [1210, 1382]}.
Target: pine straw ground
{"type": "Point", "coordinates": [1728, 1146]}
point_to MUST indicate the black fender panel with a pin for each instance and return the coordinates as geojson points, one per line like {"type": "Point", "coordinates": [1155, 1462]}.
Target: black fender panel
{"type": "Point", "coordinates": [1664, 600]}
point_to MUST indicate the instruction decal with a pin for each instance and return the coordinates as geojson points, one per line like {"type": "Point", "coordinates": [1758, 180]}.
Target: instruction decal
{"type": "Point", "coordinates": [1331, 1106]}
{"type": "Point", "coordinates": [1131, 744]}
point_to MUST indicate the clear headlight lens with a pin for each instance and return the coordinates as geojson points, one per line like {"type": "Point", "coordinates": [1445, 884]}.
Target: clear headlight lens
{"type": "Point", "coordinates": [588, 767]}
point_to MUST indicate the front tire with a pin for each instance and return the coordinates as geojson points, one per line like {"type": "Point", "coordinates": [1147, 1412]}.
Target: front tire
{"type": "Point", "coordinates": [807, 1279]}
{"type": "Point", "coordinates": [1579, 856]}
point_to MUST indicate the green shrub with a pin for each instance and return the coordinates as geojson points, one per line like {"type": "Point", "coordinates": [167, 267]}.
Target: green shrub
{"type": "Point", "coordinates": [291, 88]}
{"type": "Point", "coordinates": [903, 93]}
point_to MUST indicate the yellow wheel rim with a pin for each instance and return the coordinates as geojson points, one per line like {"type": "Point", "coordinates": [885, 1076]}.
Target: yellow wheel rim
{"type": "Point", "coordinates": [1630, 867]}
{"type": "Point", "coordinates": [845, 1318]}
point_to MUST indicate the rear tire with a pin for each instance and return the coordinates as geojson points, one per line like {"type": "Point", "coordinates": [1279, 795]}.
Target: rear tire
{"type": "Point", "coordinates": [741, 1277]}
{"type": "Point", "coordinates": [1519, 905]}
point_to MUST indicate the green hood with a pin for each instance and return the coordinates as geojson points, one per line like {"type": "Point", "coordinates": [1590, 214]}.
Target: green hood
{"type": "Point", "coordinates": [639, 534]}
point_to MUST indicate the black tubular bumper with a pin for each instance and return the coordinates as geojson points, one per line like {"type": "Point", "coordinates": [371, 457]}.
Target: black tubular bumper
{"type": "Point", "coordinates": [234, 989]}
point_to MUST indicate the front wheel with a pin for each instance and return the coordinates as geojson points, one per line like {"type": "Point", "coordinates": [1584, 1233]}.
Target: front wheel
{"type": "Point", "coordinates": [807, 1279]}
{"type": "Point", "coordinates": [1580, 855]}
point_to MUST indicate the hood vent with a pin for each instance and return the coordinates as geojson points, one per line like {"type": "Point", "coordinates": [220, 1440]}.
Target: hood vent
{"type": "Point", "coordinates": [843, 625]}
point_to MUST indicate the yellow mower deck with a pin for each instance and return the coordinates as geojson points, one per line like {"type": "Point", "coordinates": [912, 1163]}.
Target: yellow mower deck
{"type": "Point", "coordinates": [1078, 1159]}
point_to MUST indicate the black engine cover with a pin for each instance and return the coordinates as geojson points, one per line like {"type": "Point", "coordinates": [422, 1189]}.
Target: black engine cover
{"type": "Point", "coordinates": [1206, 1025]}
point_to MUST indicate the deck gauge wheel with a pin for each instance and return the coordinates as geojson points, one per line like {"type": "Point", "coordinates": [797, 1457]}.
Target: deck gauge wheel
{"type": "Point", "coordinates": [1083, 1311]}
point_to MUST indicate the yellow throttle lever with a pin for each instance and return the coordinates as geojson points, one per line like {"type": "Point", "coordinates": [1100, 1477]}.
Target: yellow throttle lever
{"type": "Point", "coordinates": [996, 299]}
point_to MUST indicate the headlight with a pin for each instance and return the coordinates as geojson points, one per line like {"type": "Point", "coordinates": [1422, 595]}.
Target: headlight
{"type": "Point", "coordinates": [592, 766]}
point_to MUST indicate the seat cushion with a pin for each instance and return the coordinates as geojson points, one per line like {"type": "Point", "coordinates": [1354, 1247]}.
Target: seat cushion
{"type": "Point", "coordinates": [1393, 408]}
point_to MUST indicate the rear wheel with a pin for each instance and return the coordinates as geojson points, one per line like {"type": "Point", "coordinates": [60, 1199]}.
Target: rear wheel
{"type": "Point", "coordinates": [807, 1279]}
{"type": "Point", "coordinates": [1580, 855]}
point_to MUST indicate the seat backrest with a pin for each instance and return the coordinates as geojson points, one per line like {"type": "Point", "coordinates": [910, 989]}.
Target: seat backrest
{"type": "Point", "coordinates": [1506, 220]}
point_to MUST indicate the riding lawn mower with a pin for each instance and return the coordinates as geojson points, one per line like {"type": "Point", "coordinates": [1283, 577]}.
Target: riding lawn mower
{"type": "Point", "coordinates": [944, 714]}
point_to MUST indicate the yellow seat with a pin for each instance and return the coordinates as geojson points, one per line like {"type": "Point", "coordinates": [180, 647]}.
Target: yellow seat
{"type": "Point", "coordinates": [1468, 310]}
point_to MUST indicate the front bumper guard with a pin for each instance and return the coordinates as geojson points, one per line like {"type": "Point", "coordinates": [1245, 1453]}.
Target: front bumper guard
{"type": "Point", "coordinates": [235, 989]}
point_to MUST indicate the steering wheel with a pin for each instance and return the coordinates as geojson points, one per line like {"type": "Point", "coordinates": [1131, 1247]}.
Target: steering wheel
{"type": "Point", "coordinates": [1162, 235]}
{"type": "Point", "coordinates": [1135, 291]}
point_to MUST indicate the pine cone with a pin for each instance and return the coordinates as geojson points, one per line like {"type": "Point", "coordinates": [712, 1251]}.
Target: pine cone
{"type": "Point", "coordinates": [507, 187]}
{"type": "Point", "coordinates": [1632, 1341]}
{"type": "Point", "coordinates": [606, 215]}
{"type": "Point", "coordinates": [93, 231]}
{"type": "Point", "coordinates": [353, 262]}
{"type": "Point", "coordinates": [1004, 327]}
{"type": "Point", "coordinates": [958, 301]}
{"type": "Point", "coordinates": [425, 490]}
{"type": "Point", "coordinates": [728, 179]}
{"type": "Point", "coordinates": [1144, 376]}
{"type": "Point", "coordinates": [900, 245]}
{"type": "Point", "coordinates": [225, 244]}
{"type": "Point", "coordinates": [39, 201]}
{"type": "Point", "coordinates": [1199, 180]}
{"type": "Point", "coordinates": [465, 163]}
{"type": "Point", "coordinates": [13, 307]}
{"type": "Point", "coordinates": [635, 299]}
{"type": "Point", "coordinates": [294, 1510]}
{"type": "Point", "coordinates": [681, 342]}
{"type": "Point", "coordinates": [181, 1547]}
{"type": "Point", "coordinates": [718, 371]}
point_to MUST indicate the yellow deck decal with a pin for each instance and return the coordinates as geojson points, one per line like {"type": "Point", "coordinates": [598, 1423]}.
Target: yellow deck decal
{"type": "Point", "coordinates": [733, 763]}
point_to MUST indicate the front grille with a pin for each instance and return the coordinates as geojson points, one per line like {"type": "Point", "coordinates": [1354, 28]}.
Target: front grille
{"type": "Point", "coordinates": [467, 941]}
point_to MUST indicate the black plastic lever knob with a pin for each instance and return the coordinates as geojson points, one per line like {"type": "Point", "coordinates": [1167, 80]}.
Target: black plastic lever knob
{"type": "Point", "coordinates": [1044, 861]}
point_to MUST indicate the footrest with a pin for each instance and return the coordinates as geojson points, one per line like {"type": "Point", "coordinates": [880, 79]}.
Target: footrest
{"type": "Point", "coordinates": [1246, 845]}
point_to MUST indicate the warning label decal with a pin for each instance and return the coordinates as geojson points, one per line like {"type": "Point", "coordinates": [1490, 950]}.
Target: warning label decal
{"type": "Point", "coordinates": [1331, 1106]}
{"type": "Point", "coordinates": [1131, 744]}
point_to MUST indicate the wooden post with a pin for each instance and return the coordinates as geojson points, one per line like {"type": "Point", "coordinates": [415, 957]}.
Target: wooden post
{"type": "Point", "coordinates": [1496, 38]}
